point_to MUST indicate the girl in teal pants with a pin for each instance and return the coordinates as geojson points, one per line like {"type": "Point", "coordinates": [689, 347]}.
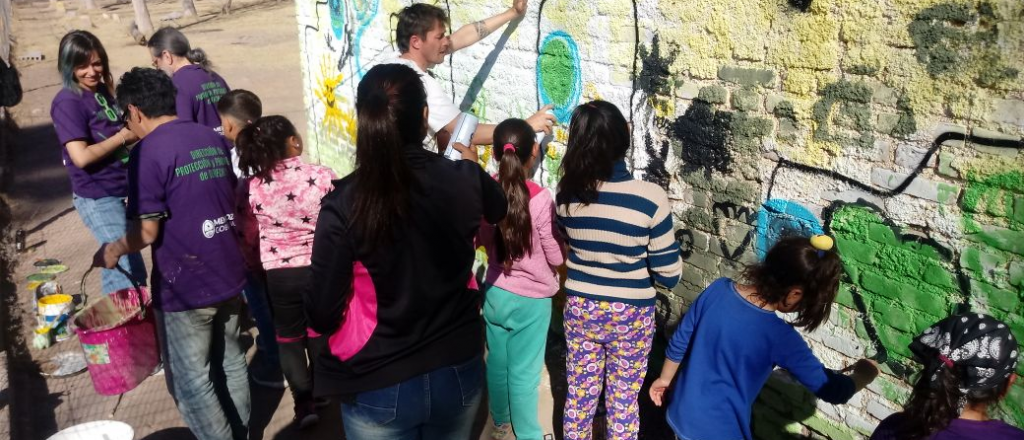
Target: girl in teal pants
{"type": "Point", "coordinates": [523, 251]}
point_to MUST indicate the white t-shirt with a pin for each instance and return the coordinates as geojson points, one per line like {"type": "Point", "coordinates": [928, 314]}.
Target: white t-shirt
{"type": "Point", "coordinates": [442, 109]}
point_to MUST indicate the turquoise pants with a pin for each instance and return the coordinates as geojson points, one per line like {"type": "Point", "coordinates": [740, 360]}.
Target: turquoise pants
{"type": "Point", "coordinates": [517, 330]}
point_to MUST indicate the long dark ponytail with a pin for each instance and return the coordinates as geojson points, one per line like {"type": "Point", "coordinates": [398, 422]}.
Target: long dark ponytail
{"type": "Point", "coordinates": [262, 144]}
{"type": "Point", "coordinates": [389, 107]}
{"type": "Point", "coordinates": [598, 137]}
{"type": "Point", "coordinates": [933, 405]}
{"type": "Point", "coordinates": [513, 146]}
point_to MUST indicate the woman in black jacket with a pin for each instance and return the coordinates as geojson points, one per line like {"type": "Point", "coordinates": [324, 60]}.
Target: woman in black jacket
{"type": "Point", "coordinates": [392, 261]}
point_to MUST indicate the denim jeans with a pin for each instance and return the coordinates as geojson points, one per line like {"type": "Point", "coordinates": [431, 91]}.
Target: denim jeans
{"type": "Point", "coordinates": [255, 293]}
{"type": "Point", "coordinates": [105, 218]}
{"type": "Point", "coordinates": [439, 405]}
{"type": "Point", "coordinates": [206, 371]}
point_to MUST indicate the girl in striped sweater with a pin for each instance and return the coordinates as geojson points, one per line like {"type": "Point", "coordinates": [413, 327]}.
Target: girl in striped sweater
{"type": "Point", "coordinates": [619, 232]}
{"type": "Point", "coordinates": [523, 251]}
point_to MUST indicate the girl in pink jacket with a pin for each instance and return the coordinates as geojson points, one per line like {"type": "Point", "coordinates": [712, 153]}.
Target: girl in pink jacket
{"type": "Point", "coordinates": [523, 251]}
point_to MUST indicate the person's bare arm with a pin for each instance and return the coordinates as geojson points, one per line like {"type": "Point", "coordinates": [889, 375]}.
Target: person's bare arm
{"type": "Point", "coordinates": [469, 34]}
{"type": "Point", "coordinates": [140, 234]}
{"type": "Point", "coordinates": [83, 155]}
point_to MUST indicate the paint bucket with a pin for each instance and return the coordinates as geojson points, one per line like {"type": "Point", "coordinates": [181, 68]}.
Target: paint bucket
{"type": "Point", "coordinates": [118, 336]}
{"type": "Point", "coordinates": [99, 430]}
{"type": "Point", "coordinates": [53, 311]}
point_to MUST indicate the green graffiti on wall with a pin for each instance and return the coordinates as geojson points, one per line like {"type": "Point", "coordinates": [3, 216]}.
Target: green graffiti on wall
{"type": "Point", "coordinates": [906, 283]}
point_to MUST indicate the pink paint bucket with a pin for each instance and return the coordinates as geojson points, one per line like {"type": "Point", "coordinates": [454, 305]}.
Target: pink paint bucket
{"type": "Point", "coordinates": [118, 336]}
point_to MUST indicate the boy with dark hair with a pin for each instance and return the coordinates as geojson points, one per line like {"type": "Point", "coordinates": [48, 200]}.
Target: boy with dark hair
{"type": "Point", "coordinates": [237, 109]}
{"type": "Point", "coordinates": [181, 196]}
{"type": "Point", "coordinates": [423, 43]}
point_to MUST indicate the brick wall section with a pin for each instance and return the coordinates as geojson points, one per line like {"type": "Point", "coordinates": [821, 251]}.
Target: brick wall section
{"type": "Point", "coordinates": [763, 119]}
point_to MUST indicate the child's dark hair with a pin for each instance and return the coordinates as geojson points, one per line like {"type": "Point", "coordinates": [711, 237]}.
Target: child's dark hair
{"type": "Point", "coordinates": [956, 374]}
{"type": "Point", "coordinates": [598, 137]}
{"type": "Point", "coordinates": [263, 144]}
{"type": "Point", "coordinates": [175, 42]}
{"type": "Point", "coordinates": [930, 409]}
{"type": "Point", "coordinates": [417, 19]}
{"type": "Point", "coordinates": [389, 109]}
{"type": "Point", "coordinates": [149, 90]}
{"type": "Point", "coordinates": [513, 146]}
{"type": "Point", "coordinates": [76, 48]}
{"type": "Point", "coordinates": [794, 263]}
{"type": "Point", "coordinates": [242, 105]}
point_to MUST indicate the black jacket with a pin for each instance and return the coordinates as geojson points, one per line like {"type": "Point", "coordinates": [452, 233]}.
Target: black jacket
{"type": "Point", "coordinates": [425, 317]}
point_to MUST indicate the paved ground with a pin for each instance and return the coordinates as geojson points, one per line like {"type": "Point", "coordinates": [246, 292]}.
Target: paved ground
{"type": "Point", "coordinates": [255, 48]}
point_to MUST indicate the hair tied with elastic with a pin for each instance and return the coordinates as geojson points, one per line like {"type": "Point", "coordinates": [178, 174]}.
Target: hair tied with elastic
{"type": "Point", "coordinates": [822, 243]}
{"type": "Point", "coordinates": [946, 361]}
{"type": "Point", "coordinates": [508, 147]}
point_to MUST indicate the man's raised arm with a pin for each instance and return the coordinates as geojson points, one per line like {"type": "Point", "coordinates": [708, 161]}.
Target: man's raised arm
{"type": "Point", "coordinates": [477, 30]}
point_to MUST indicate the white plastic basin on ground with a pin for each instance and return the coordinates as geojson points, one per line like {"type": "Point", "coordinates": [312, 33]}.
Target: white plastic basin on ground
{"type": "Point", "coordinates": [101, 430]}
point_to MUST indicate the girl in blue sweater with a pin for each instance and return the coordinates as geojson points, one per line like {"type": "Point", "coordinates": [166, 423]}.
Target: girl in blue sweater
{"type": "Point", "coordinates": [731, 339]}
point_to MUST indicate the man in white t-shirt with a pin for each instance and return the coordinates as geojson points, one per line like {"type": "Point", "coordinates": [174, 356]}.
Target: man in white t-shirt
{"type": "Point", "coordinates": [421, 35]}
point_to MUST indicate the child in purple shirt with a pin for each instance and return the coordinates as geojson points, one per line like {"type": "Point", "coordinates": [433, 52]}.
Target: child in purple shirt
{"type": "Point", "coordinates": [199, 87]}
{"type": "Point", "coordinates": [969, 362]}
{"type": "Point", "coordinates": [95, 147]}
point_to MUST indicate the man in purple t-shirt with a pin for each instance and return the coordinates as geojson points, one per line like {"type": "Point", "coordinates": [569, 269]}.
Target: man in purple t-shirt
{"type": "Point", "coordinates": [181, 196]}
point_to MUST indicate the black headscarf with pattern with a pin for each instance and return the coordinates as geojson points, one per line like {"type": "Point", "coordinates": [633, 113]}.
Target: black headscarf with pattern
{"type": "Point", "coordinates": [977, 346]}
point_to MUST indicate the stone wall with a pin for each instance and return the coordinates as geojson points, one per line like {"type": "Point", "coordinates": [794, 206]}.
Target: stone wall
{"type": "Point", "coordinates": [893, 125]}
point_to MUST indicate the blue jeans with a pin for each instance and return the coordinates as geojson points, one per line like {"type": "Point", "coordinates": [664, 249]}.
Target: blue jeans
{"type": "Point", "coordinates": [440, 405]}
{"type": "Point", "coordinates": [255, 294]}
{"type": "Point", "coordinates": [206, 371]}
{"type": "Point", "coordinates": [105, 218]}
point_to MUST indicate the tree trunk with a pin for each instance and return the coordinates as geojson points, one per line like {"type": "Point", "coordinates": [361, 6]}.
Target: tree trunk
{"type": "Point", "coordinates": [142, 20]}
{"type": "Point", "coordinates": [5, 30]}
{"type": "Point", "coordinates": [89, 4]}
{"type": "Point", "coordinates": [189, 6]}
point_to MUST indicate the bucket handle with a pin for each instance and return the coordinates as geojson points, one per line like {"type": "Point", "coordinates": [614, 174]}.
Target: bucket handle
{"type": "Point", "coordinates": [135, 284]}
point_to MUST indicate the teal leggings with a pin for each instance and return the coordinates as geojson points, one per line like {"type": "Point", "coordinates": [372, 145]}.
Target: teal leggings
{"type": "Point", "coordinates": [517, 330]}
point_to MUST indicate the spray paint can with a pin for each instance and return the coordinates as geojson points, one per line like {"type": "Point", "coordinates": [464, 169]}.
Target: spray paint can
{"type": "Point", "coordinates": [19, 240]}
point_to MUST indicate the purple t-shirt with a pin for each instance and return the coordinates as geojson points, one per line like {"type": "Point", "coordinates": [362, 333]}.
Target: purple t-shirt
{"type": "Point", "coordinates": [181, 172]}
{"type": "Point", "coordinates": [958, 429]}
{"type": "Point", "coordinates": [91, 118]}
{"type": "Point", "coordinates": [198, 93]}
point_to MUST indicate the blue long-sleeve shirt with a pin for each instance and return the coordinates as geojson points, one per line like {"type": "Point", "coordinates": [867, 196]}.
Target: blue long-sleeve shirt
{"type": "Point", "coordinates": [728, 347]}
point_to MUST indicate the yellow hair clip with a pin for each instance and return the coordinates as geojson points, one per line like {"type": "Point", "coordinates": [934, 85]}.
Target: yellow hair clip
{"type": "Point", "coordinates": [822, 243]}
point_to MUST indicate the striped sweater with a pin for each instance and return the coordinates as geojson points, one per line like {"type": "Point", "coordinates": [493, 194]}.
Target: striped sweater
{"type": "Point", "coordinates": [622, 243]}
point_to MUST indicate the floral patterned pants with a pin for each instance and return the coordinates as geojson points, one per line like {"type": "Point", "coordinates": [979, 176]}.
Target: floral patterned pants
{"type": "Point", "coordinates": [608, 344]}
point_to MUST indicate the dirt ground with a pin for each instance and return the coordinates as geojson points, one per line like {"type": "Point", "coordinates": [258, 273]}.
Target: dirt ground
{"type": "Point", "coordinates": [255, 48]}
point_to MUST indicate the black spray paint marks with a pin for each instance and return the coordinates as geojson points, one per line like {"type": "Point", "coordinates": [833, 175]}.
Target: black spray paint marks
{"type": "Point", "coordinates": [685, 239]}
{"type": "Point", "coordinates": [657, 172]}
{"type": "Point", "coordinates": [899, 189]}
{"type": "Point", "coordinates": [654, 78]}
{"type": "Point", "coordinates": [705, 136]}
{"type": "Point", "coordinates": [802, 5]}
{"type": "Point", "coordinates": [743, 214]}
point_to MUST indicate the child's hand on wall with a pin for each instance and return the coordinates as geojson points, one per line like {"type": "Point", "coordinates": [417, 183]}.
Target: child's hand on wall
{"type": "Point", "coordinates": [864, 372]}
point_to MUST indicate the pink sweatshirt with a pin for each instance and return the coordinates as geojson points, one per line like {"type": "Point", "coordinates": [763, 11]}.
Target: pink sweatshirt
{"type": "Point", "coordinates": [532, 276]}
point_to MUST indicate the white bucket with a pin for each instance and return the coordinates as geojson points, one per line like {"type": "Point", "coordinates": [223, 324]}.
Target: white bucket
{"type": "Point", "coordinates": [100, 430]}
